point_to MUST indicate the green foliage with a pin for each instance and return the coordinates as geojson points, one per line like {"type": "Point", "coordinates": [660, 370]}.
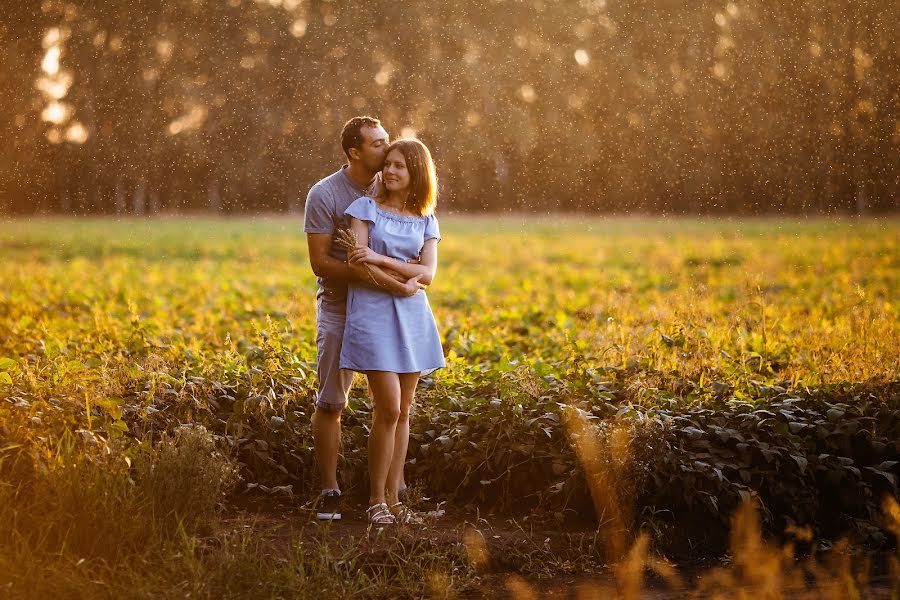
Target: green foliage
{"type": "Point", "coordinates": [734, 365]}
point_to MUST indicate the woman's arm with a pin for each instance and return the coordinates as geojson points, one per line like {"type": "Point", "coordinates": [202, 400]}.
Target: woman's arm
{"type": "Point", "coordinates": [425, 268]}
{"type": "Point", "coordinates": [373, 273]}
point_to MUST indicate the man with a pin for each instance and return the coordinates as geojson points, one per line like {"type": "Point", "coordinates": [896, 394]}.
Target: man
{"type": "Point", "coordinates": [364, 141]}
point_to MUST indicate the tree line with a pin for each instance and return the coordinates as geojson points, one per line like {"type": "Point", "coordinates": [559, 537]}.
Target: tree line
{"type": "Point", "coordinates": [744, 106]}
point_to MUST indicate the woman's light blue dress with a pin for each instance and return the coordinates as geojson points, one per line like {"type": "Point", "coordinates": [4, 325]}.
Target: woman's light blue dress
{"type": "Point", "coordinates": [385, 332]}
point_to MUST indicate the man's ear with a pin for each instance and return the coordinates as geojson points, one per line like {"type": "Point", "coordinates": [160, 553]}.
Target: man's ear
{"type": "Point", "coordinates": [353, 153]}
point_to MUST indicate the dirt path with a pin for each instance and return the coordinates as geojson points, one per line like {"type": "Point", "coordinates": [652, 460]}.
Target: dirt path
{"type": "Point", "coordinates": [514, 556]}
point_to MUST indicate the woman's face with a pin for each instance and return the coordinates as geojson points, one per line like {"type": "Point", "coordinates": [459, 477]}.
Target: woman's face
{"type": "Point", "coordinates": [395, 175]}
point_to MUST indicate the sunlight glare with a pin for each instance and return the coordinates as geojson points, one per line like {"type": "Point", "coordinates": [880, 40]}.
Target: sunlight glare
{"type": "Point", "coordinates": [470, 57]}
{"type": "Point", "coordinates": [192, 120]}
{"type": "Point", "coordinates": [383, 77]}
{"type": "Point", "coordinates": [56, 113]}
{"type": "Point", "coordinates": [76, 133]}
{"type": "Point", "coordinates": [861, 62]}
{"type": "Point", "coordinates": [50, 64]}
{"type": "Point", "coordinates": [55, 88]}
{"type": "Point", "coordinates": [527, 93]}
{"type": "Point", "coordinates": [54, 136]}
{"type": "Point", "coordinates": [164, 49]}
{"type": "Point", "coordinates": [298, 28]}
{"type": "Point", "coordinates": [720, 71]}
{"type": "Point", "coordinates": [52, 37]}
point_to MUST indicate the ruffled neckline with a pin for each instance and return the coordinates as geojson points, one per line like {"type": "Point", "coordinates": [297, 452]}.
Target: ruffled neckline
{"type": "Point", "coordinates": [394, 216]}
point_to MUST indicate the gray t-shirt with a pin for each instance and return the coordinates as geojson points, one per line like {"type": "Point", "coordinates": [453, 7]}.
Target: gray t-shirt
{"type": "Point", "coordinates": [324, 213]}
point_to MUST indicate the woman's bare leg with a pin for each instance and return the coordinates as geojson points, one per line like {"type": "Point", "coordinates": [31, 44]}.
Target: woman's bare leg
{"type": "Point", "coordinates": [386, 393]}
{"type": "Point", "coordinates": [408, 383]}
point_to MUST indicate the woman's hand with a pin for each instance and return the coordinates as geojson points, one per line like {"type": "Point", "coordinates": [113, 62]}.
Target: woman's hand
{"type": "Point", "coordinates": [365, 255]}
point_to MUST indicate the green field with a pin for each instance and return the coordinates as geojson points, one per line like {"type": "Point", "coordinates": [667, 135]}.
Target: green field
{"type": "Point", "coordinates": [659, 371]}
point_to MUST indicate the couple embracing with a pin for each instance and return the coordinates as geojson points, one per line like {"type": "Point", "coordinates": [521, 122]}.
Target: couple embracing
{"type": "Point", "coordinates": [372, 314]}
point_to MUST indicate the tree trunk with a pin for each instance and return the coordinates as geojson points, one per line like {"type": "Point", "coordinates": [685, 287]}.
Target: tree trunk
{"type": "Point", "coordinates": [154, 201]}
{"type": "Point", "coordinates": [214, 196]}
{"type": "Point", "coordinates": [140, 199]}
{"type": "Point", "coordinates": [119, 197]}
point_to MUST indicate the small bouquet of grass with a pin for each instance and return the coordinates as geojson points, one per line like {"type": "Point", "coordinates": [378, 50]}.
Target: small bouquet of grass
{"type": "Point", "coordinates": [346, 239]}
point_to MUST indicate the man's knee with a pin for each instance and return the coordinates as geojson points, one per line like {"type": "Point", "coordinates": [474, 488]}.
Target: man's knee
{"type": "Point", "coordinates": [328, 412]}
{"type": "Point", "coordinates": [327, 338]}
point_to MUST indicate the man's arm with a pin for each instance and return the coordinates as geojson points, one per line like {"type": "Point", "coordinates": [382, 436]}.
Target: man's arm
{"type": "Point", "coordinates": [319, 223]}
{"type": "Point", "coordinates": [322, 263]}
{"type": "Point", "coordinates": [425, 268]}
{"type": "Point", "coordinates": [380, 279]}
{"type": "Point", "coordinates": [325, 265]}
{"type": "Point", "coordinates": [401, 286]}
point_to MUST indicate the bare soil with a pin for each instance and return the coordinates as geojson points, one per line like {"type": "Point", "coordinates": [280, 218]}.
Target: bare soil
{"type": "Point", "coordinates": [526, 556]}
{"type": "Point", "coordinates": [546, 557]}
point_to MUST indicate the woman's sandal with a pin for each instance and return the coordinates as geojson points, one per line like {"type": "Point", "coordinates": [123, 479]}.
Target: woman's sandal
{"type": "Point", "coordinates": [380, 514]}
{"type": "Point", "coordinates": [403, 514]}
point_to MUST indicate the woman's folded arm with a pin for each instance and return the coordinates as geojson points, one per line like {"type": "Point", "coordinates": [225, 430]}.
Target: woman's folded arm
{"type": "Point", "coordinates": [425, 268]}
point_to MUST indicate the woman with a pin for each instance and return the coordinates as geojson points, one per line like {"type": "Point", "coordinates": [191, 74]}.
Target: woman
{"type": "Point", "coordinates": [393, 339]}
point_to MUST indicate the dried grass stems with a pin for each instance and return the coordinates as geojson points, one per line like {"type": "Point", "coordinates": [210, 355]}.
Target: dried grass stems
{"type": "Point", "coordinates": [346, 239]}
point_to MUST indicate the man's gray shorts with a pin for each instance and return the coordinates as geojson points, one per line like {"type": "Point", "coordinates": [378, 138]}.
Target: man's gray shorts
{"type": "Point", "coordinates": [334, 382]}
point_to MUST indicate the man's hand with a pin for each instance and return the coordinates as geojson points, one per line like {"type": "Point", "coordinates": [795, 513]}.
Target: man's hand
{"type": "Point", "coordinates": [410, 287]}
{"type": "Point", "coordinates": [364, 255]}
{"type": "Point", "coordinates": [413, 286]}
{"type": "Point", "coordinates": [360, 271]}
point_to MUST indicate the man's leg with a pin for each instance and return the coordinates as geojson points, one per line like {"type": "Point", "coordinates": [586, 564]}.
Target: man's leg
{"type": "Point", "coordinates": [326, 429]}
{"type": "Point", "coordinates": [333, 387]}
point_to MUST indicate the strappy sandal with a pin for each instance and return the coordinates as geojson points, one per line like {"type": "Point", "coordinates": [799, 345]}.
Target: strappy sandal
{"type": "Point", "coordinates": [380, 514]}
{"type": "Point", "coordinates": [403, 514]}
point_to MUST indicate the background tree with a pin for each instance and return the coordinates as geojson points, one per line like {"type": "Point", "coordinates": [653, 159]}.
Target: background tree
{"type": "Point", "coordinates": [744, 106]}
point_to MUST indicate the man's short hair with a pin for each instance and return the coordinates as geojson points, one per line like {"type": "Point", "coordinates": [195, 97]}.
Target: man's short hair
{"type": "Point", "coordinates": [351, 135]}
